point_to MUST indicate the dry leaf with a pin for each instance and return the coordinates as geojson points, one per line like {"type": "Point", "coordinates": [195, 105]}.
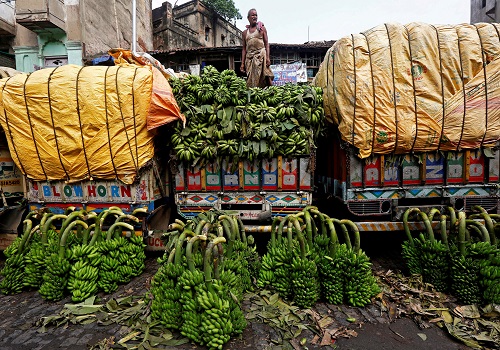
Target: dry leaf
{"type": "Point", "coordinates": [327, 339]}
{"type": "Point", "coordinates": [423, 336]}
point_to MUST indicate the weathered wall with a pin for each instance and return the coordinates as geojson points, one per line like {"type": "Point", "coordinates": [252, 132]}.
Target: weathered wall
{"type": "Point", "coordinates": [488, 13]}
{"type": "Point", "coordinates": [192, 25]}
{"type": "Point", "coordinates": [108, 24]}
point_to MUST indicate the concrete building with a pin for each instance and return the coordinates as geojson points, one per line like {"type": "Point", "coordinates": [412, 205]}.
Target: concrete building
{"type": "Point", "coordinates": [484, 11]}
{"type": "Point", "coordinates": [190, 25]}
{"type": "Point", "coordinates": [48, 33]}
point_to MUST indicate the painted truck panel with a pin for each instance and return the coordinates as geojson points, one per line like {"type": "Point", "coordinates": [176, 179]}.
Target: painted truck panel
{"type": "Point", "coordinates": [257, 190]}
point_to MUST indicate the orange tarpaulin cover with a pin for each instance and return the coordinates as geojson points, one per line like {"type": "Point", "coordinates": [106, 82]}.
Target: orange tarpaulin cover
{"type": "Point", "coordinates": [75, 123]}
{"type": "Point", "coordinates": [415, 88]}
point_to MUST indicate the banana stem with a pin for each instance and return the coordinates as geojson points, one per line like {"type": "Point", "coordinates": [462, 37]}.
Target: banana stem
{"type": "Point", "coordinates": [428, 227]}
{"type": "Point", "coordinates": [86, 234]}
{"type": "Point", "coordinates": [73, 215]}
{"type": "Point", "coordinates": [302, 243]}
{"type": "Point", "coordinates": [229, 234]}
{"type": "Point", "coordinates": [461, 232]}
{"type": "Point", "coordinates": [279, 233]}
{"type": "Point", "coordinates": [276, 220]}
{"type": "Point", "coordinates": [64, 236]}
{"type": "Point", "coordinates": [242, 230]}
{"type": "Point", "coordinates": [178, 248]}
{"type": "Point", "coordinates": [199, 227]}
{"type": "Point", "coordinates": [112, 228]}
{"type": "Point", "coordinates": [307, 218]}
{"type": "Point", "coordinates": [479, 228]}
{"type": "Point", "coordinates": [171, 256]}
{"type": "Point", "coordinates": [431, 214]}
{"type": "Point", "coordinates": [47, 224]}
{"type": "Point", "coordinates": [345, 233]}
{"type": "Point", "coordinates": [355, 232]}
{"type": "Point", "coordinates": [27, 225]}
{"type": "Point", "coordinates": [207, 266]}
{"type": "Point", "coordinates": [289, 234]}
{"type": "Point", "coordinates": [444, 234]}
{"type": "Point", "coordinates": [321, 217]}
{"type": "Point", "coordinates": [334, 240]}
{"type": "Point", "coordinates": [406, 215]}
{"type": "Point", "coordinates": [189, 250]}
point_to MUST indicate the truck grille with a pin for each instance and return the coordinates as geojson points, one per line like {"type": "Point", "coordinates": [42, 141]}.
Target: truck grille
{"type": "Point", "coordinates": [370, 207]}
{"type": "Point", "coordinates": [488, 203]}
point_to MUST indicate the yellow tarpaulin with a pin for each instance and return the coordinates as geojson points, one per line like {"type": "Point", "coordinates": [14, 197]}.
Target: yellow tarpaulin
{"type": "Point", "coordinates": [75, 123]}
{"type": "Point", "coordinates": [414, 88]}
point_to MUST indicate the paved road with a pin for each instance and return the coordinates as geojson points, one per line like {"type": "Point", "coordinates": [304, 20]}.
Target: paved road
{"type": "Point", "coordinates": [19, 314]}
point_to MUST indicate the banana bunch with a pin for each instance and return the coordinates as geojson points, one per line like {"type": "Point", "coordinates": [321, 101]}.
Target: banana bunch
{"type": "Point", "coordinates": [110, 262]}
{"type": "Point", "coordinates": [304, 281]}
{"type": "Point", "coordinates": [136, 255]}
{"type": "Point", "coordinates": [434, 262]}
{"type": "Point", "coordinates": [331, 274]}
{"type": "Point", "coordinates": [465, 278]}
{"type": "Point", "coordinates": [216, 326]}
{"type": "Point", "coordinates": [55, 278]}
{"type": "Point", "coordinates": [34, 263]}
{"type": "Point", "coordinates": [192, 283]}
{"type": "Point", "coordinates": [410, 253]}
{"type": "Point", "coordinates": [14, 269]}
{"type": "Point", "coordinates": [232, 119]}
{"type": "Point", "coordinates": [490, 278]}
{"type": "Point", "coordinates": [282, 257]}
{"type": "Point", "coordinates": [360, 285]}
{"type": "Point", "coordinates": [85, 261]}
{"type": "Point", "coordinates": [167, 292]}
{"type": "Point", "coordinates": [13, 272]}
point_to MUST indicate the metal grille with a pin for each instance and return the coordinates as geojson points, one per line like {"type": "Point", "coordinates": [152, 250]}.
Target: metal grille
{"type": "Point", "coordinates": [488, 203]}
{"type": "Point", "coordinates": [365, 207]}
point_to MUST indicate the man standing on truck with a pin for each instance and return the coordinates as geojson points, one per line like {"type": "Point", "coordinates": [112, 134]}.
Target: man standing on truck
{"type": "Point", "coordinates": [255, 59]}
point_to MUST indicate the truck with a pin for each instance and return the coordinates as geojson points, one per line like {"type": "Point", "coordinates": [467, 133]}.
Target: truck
{"type": "Point", "coordinates": [406, 128]}
{"type": "Point", "coordinates": [413, 122]}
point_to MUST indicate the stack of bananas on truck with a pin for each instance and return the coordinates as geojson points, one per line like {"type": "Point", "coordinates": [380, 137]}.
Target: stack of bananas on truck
{"type": "Point", "coordinates": [199, 286]}
{"type": "Point", "coordinates": [76, 258]}
{"type": "Point", "coordinates": [226, 119]}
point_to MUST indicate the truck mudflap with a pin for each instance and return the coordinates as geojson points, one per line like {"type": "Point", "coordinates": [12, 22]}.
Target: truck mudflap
{"type": "Point", "coordinates": [255, 206]}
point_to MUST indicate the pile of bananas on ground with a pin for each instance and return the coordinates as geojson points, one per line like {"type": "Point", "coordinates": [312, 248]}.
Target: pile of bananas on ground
{"type": "Point", "coordinates": [226, 119]}
{"type": "Point", "coordinates": [205, 270]}
{"type": "Point", "coordinates": [426, 254]}
{"type": "Point", "coordinates": [466, 260]}
{"type": "Point", "coordinates": [310, 261]}
{"type": "Point", "coordinates": [60, 254]}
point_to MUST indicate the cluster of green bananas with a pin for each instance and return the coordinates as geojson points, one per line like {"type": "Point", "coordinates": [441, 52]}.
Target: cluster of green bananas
{"type": "Point", "coordinates": [411, 257]}
{"type": "Point", "coordinates": [14, 270]}
{"type": "Point", "coordinates": [434, 262]}
{"type": "Point", "coordinates": [167, 292]}
{"type": "Point", "coordinates": [360, 285]}
{"type": "Point", "coordinates": [111, 261]}
{"type": "Point", "coordinates": [82, 282]}
{"type": "Point", "coordinates": [304, 281]}
{"type": "Point", "coordinates": [465, 278]}
{"type": "Point", "coordinates": [224, 118]}
{"type": "Point", "coordinates": [331, 272]}
{"type": "Point", "coordinates": [203, 274]}
{"type": "Point", "coordinates": [55, 278]}
{"type": "Point", "coordinates": [216, 326]}
{"type": "Point", "coordinates": [192, 283]}
{"type": "Point", "coordinates": [35, 264]}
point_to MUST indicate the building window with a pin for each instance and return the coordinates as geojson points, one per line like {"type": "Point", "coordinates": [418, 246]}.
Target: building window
{"type": "Point", "coordinates": [55, 61]}
{"type": "Point", "coordinates": [483, 4]}
{"type": "Point", "coordinates": [207, 33]}
{"type": "Point", "coordinates": [222, 38]}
